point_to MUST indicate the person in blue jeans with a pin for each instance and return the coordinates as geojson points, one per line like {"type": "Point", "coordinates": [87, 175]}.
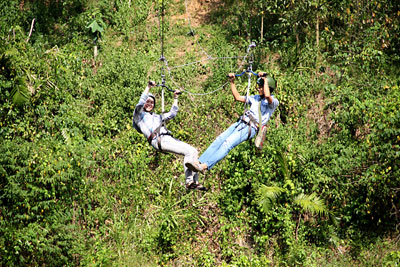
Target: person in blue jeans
{"type": "Point", "coordinates": [245, 128]}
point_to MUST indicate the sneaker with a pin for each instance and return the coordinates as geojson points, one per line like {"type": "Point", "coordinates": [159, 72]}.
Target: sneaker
{"type": "Point", "coordinates": [191, 185]}
{"type": "Point", "coordinates": [260, 138]}
{"type": "Point", "coordinates": [193, 166]}
{"type": "Point", "coordinates": [201, 187]}
{"type": "Point", "coordinates": [196, 186]}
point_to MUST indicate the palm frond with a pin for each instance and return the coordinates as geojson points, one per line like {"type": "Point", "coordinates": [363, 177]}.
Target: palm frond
{"type": "Point", "coordinates": [267, 195]}
{"type": "Point", "coordinates": [20, 93]}
{"type": "Point", "coordinates": [64, 133]}
{"type": "Point", "coordinates": [334, 219]}
{"type": "Point", "coordinates": [311, 203]}
{"type": "Point", "coordinates": [283, 164]}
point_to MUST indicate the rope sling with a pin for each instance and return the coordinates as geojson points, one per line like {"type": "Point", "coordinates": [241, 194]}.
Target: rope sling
{"type": "Point", "coordinates": [156, 133]}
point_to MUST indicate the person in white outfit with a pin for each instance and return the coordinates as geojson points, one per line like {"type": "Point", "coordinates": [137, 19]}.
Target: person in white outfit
{"type": "Point", "coordinates": [152, 126]}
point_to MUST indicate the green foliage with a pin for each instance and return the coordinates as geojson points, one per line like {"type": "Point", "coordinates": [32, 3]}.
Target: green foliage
{"type": "Point", "coordinates": [37, 189]}
{"type": "Point", "coordinates": [392, 259]}
{"type": "Point", "coordinates": [14, 82]}
{"type": "Point", "coordinates": [267, 196]}
{"type": "Point", "coordinates": [20, 94]}
{"type": "Point", "coordinates": [96, 29]}
{"type": "Point", "coordinates": [78, 186]}
{"type": "Point", "coordinates": [311, 203]}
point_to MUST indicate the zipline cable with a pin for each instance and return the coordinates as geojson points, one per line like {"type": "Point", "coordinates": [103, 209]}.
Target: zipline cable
{"type": "Point", "coordinates": [249, 71]}
{"type": "Point", "coordinates": [203, 60]}
{"type": "Point", "coordinates": [169, 69]}
{"type": "Point", "coordinates": [221, 87]}
{"type": "Point", "coordinates": [162, 58]}
{"type": "Point", "coordinates": [192, 33]}
{"type": "Point", "coordinates": [162, 31]}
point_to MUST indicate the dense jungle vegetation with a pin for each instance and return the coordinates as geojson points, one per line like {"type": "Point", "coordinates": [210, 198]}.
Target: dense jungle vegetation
{"type": "Point", "coordinates": [79, 186]}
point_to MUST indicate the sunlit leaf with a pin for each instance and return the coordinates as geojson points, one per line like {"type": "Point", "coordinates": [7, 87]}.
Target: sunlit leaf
{"type": "Point", "coordinates": [95, 27]}
{"type": "Point", "coordinates": [20, 93]}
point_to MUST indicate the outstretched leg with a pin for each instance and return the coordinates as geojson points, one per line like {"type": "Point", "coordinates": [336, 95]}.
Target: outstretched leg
{"type": "Point", "coordinates": [173, 145]}
{"type": "Point", "coordinates": [233, 136]}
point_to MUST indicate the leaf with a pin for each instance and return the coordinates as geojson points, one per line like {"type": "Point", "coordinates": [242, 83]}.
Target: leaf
{"type": "Point", "coordinates": [20, 93]}
{"type": "Point", "coordinates": [267, 195]}
{"type": "Point", "coordinates": [311, 203]}
{"type": "Point", "coordinates": [283, 165]}
{"type": "Point", "coordinates": [95, 27]}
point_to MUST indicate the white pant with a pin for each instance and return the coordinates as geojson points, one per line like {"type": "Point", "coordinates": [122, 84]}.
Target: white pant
{"type": "Point", "coordinates": [173, 145]}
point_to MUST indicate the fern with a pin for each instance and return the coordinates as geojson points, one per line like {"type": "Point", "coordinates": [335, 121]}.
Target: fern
{"type": "Point", "coordinates": [283, 165]}
{"type": "Point", "coordinates": [267, 195]}
{"type": "Point", "coordinates": [64, 133]}
{"type": "Point", "coordinates": [20, 93]}
{"type": "Point", "coordinates": [10, 63]}
{"type": "Point", "coordinates": [311, 203]}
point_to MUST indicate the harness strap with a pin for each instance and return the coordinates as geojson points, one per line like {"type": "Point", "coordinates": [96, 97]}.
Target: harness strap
{"type": "Point", "coordinates": [156, 133]}
{"type": "Point", "coordinates": [250, 122]}
{"type": "Point", "coordinates": [158, 136]}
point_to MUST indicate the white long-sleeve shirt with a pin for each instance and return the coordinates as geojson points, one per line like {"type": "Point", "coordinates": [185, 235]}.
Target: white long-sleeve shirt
{"type": "Point", "coordinates": [147, 122]}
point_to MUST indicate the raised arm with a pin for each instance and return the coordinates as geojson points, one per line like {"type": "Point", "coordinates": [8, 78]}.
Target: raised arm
{"type": "Point", "coordinates": [235, 93]}
{"type": "Point", "coordinates": [174, 108]}
{"type": "Point", "coordinates": [267, 93]}
{"type": "Point", "coordinates": [143, 97]}
{"type": "Point", "coordinates": [176, 94]}
{"type": "Point", "coordinates": [150, 85]}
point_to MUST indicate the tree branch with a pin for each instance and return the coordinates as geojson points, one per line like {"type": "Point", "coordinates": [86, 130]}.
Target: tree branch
{"type": "Point", "coordinates": [297, 227]}
{"type": "Point", "coordinates": [30, 32]}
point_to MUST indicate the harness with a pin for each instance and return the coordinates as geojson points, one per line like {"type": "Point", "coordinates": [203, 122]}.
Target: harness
{"type": "Point", "coordinates": [156, 133]}
{"type": "Point", "coordinates": [251, 122]}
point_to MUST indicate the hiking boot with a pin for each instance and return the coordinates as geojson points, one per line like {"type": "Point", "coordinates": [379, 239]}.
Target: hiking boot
{"type": "Point", "coordinates": [196, 167]}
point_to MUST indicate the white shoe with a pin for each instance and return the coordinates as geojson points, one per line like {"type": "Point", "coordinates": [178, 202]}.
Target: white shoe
{"type": "Point", "coordinates": [193, 166]}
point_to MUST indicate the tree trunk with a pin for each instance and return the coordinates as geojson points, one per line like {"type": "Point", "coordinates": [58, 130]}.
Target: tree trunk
{"type": "Point", "coordinates": [262, 27]}
{"type": "Point", "coordinates": [317, 43]}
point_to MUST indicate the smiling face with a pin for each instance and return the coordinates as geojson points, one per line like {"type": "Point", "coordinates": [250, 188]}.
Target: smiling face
{"type": "Point", "coordinates": [149, 105]}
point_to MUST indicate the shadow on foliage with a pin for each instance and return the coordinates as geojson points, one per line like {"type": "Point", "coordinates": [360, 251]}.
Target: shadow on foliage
{"type": "Point", "coordinates": [51, 16]}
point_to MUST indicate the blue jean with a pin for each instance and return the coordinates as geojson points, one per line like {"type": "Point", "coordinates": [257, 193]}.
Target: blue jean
{"type": "Point", "coordinates": [225, 142]}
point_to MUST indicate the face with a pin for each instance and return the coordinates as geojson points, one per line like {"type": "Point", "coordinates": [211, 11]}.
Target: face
{"type": "Point", "coordinates": [260, 90]}
{"type": "Point", "coordinates": [149, 105]}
